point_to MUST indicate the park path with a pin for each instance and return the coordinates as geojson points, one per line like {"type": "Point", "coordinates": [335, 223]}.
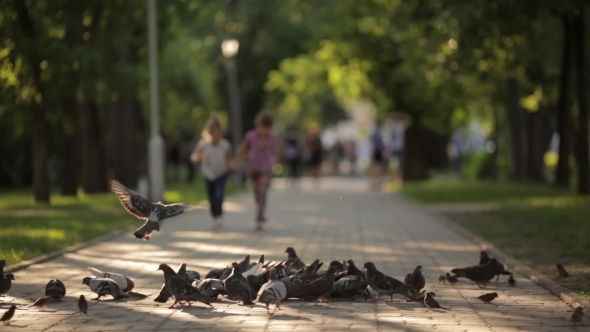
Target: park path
{"type": "Point", "coordinates": [339, 220]}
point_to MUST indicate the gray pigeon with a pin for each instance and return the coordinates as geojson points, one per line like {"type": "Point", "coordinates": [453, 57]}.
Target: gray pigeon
{"type": "Point", "coordinates": [480, 274]}
{"type": "Point", "coordinates": [273, 291]}
{"type": "Point", "coordinates": [237, 286]}
{"type": "Point", "coordinates": [103, 287]}
{"type": "Point", "coordinates": [6, 283]}
{"type": "Point", "coordinates": [211, 287]}
{"type": "Point", "coordinates": [318, 288]}
{"type": "Point", "coordinates": [153, 213]}
{"type": "Point", "coordinates": [180, 288]}
{"type": "Point", "coordinates": [55, 289]}
{"type": "Point", "coordinates": [385, 285]}
{"type": "Point", "coordinates": [350, 287]}
{"type": "Point", "coordinates": [352, 270]}
{"type": "Point", "coordinates": [416, 278]}
{"type": "Point", "coordinates": [293, 262]}
{"type": "Point", "coordinates": [163, 296]}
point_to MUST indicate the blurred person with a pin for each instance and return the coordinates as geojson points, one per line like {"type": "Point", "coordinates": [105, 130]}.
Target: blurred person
{"type": "Point", "coordinates": [293, 153]}
{"type": "Point", "coordinates": [400, 123]}
{"type": "Point", "coordinates": [337, 156]}
{"type": "Point", "coordinates": [351, 154]}
{"type": "Point", "coordinates": [377, 157]}
{"type": "Point", "coordinates": [261, 147]}
{"type": "Point", "coordinates": [316, 153]}
{"type": "Point", "coordinates": [214, 153]}
{"type": "Point", "coordinates": [174, 157]}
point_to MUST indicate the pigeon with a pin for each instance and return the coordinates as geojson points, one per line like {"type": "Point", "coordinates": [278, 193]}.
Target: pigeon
{"type": "Point", "coordinates": [489, 297]}
{"type": "Point", "coordinates": [180, 288]}
{"type": "Point", "coordinates": [385, 285]}
{"type": "Point", "coordinates": [317, 288]}
{"type": "Point", "coordinates": [293, 262]}
{"type": "Point", "coordinates": [431, 303]}
{"type": "Point", "coordinates": [273, 291]}
{"type": "Point", "coordinates": [2, 264]}
{"type": "Point", "coordinates": [123, 282]}
{"type": "Point", "coordinates": [367, 292]}
{"type": "Point", "coordinates": [41, 302]}
{"type": "Point", "coordinates": [511, 281]}
{"type": "Point", "coordinates": [104, 286]}
{"type": "Point", "coordinates": [352, 270]}
{"type": "Point", "coordinates": [211, 287]}
{"type": "Point", "coordinates": [164, 295]}
{"type": "Point", "coordinates": [441, 278]}
{"type": "Point", "coordinates": [254, 270]}
{"type": "Point", "coordinates": [133, 296]}
{"type": "Point", "coordinates": [339, 266]}
{"type": "Point", "coordinates": [193, 276]}
{"type": "Point", "coordinates": [261, 260]}
{"type": "Point", "coordinates": [416, 278]}
{"type": "Point", "coordinates": [419, 297]}
{"type": "Point", "coordinates": [83, 305]}
{"type": "Point", "coordinates": [6, 283]}
{"type": "Point", "coordinates": [8, 314]}
{"type": "Point", "coordinates": [350, 286]}
{"type": "Point", "coordinates": [576, 316]}
{"type": "Point", "coordinates": [562, 272]}
{"type": "Point", "coordinates": [484, 258]}
{"type": "Point", "coordinates": [153, 213]}
{"type": "Point", "coordinates": [243, 265]}
{"type": "Point", "coordinates": [480, 274]}
{"type": "Point", "coordinates": [55, 289]}
{"type": "Point", "coordinates": [237, 286]}
{"type": "Point", "coordinates": [451, 278]}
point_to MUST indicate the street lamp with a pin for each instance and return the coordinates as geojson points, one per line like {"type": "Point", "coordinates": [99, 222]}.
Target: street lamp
{"type": "Point", "coordinates": [156, 142]}
{"type": "Point", "coordinates": [230, 48]}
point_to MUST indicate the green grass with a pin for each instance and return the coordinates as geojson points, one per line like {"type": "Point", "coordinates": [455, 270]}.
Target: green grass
{"type": "Point", "coordinates": [28, 230]}
{"type": "Point", "coordinates": [539, 225]}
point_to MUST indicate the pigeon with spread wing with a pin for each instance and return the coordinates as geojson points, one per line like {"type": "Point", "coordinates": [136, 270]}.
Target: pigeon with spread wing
{"type": "Point", "coordinates": [153, 213]}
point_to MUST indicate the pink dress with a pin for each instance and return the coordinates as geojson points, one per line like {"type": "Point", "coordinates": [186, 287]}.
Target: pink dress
{"type": "Point", "coordinates": [261, 159]}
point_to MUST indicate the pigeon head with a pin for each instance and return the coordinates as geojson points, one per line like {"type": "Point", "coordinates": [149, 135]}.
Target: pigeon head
{"type": "Point", "coordinates": [291, 252]}
{"type": "Point", "coordinates": [483, 254]}
{"type": "Point", "coordinates": [350, 262]}
{"type": "Point", "coordinates": [86, 281]}
{"type": "Point", "coordinates": [370, 266]}
{"type": "Point", "coordinates": [331, 271]}
{"type": "Point", "coordinates": [235, 266]}
{"type": "Point", "coordinates": [9, 276]}
{"type": "Point", "coordinates": [448, 274]}
{"type": "Point", "coordinates": [418, 267]}
{"type": "Point", "coordinates": [495, 294]}
{"type": "Point", "coordinates": [167, 270]}
{"type": "Point", "coordinates": [339, 266]}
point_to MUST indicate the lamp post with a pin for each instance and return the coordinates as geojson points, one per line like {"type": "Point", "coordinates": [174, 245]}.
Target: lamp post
{"type": "Point", "coordinates": [156, 142]}
{"type": "Point", "coordinates": [229, 48]}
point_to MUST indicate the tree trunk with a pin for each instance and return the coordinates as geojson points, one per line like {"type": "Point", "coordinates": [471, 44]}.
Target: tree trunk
{"type": "Point", "coordinates": [124, 136]}
{"type": "Point", "coordinates": [40, 149]}
{"type": "Point", "coordinates": [94, 172]}
{"type": "Point", "coordinates": [582, 134]}
{"type": "Point", "coordinates": [515, 123]}
{"type": "Point", "coordinates": [415, 154]}
{"type": "Point", "coordinates": [69, 155]}
{"type": "Point", "coordinates": [562, 174]}
{"type": "Point", "coordinates": [539, 136]}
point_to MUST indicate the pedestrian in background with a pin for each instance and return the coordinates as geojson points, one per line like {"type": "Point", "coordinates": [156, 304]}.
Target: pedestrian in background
{"type": "Point", "coordinates": [261, 146]}
{"type": "Point", "coordinates": [214, 153]}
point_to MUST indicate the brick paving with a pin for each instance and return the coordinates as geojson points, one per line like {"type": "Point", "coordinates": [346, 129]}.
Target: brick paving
{"type": "Point", "coordinates": [339, 220]}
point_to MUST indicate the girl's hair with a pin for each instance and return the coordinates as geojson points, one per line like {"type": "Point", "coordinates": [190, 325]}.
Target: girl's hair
{"type": "Point", "coordinates": [211, 125]}
{"type": "Point", "coordinates": [264, 119]}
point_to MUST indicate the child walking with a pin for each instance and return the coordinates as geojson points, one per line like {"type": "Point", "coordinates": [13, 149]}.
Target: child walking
{"type": "Point", "coordinates": [261, 147]}
{"type": "Point", "coordinates": [214, 152]}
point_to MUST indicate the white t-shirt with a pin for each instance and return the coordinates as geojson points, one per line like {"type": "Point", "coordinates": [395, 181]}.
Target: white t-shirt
{"type": "Point", "coordinates": [214, 161]}
{"type": "Point", "coordinates": [398, 138]}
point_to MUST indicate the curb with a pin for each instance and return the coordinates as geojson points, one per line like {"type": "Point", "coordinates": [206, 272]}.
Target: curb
{"type": "Point", "coordinates": [515, 265]}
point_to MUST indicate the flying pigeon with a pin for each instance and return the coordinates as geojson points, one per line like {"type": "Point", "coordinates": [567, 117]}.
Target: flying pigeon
{"type": "Point", "coordinates": [55, 289]}
{"type": "Point", "coordinates": [385, 285]}
{"type": "Point", "coordinates": [153, 213]}
{"type": "Point", "coordinates": [489, 297]}
{"type": "Point", "coordinates": [83, 305]}
{"type": "Point", "coordinates": [6, 283]}
{"type": "Point", "coordinates": [41, 302]}
{"type": "Point", "coordinates": [317, 288]}
{"type": "Point", "coordinates": [273, 291]}
{"type": "Point", "coordinates": [123, 282]}
{"type": "Point", "coordinates": [211, 287]}
{"type": "Point", "coordinates": [431, 303]}
{"type": "Point", "coordinates": [180, 288]}
{"type": "Point", "coordinates": [480, 274]}
{"type": "Point", "coordinates": [238, 287]}
{"type": "Point", "coordinates": [416, 278]}
{"type": "Point", "coordinates": [8, 314]}
{"type": "Point", "coordinates": [104, 286]}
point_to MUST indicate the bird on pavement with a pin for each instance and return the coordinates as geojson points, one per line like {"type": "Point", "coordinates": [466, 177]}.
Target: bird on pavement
{"type": "Point", "coordinates": [562, 272]}
{"type": "Point", "coordinates": [211, 287]}
{"type": "Point", "coordinates": [416, 278]}
{"type": "Point", "coordinates": [153, 213]}
{"type": "Point", "coordinates": [577, 315]}
{"type": "Point", "coordinates": [8, 314]}
{"type": "Point", "coordinates": [511, 281]}
{"type": "Point", "coordinates": [451, 278]}
{"type": "Point", "coordinates": [293, 262]}
{"type": "Point", "coordinates": [103, 287]}
{"type": "Point", "coordinates": [489, 297]}
{"type": "Point", "coordinates": [316, 289]}
{"type": "Point", "coordinates": [237, 286]}
{"type": "Point", "coordinates": [122, 281]}
{"type": "Point", "coordinates": [83, 305]}
{"type": "Point", "coordinates": [41, 302]}
{"type": "Point", "coordinates": [484, 259]}
{"type": "Point", "coordinates": [55, 289]}
{"type": "Point", "coordinates": [385, 285]}
{"type": "Point", "coordinates": [163, 296]}
{"type": "Point", "coordinates": [272, 292]}
{"type": "Point", "coordinates": [480, 274]}
{"type": "Point", "coordinates": [431, 303]}
{"type": "Point", "coordinates": [441, 278]}
{"type": "Point", "coordinates": [180, 288]}
{"type": "Point", "coordinates": [6, 283]}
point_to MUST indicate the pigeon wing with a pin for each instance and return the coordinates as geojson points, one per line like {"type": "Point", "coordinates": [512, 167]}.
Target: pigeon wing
{"type": "Point", "coordinates": [172, 210]}
{"type": "Point", "coordinates": [133, 202]}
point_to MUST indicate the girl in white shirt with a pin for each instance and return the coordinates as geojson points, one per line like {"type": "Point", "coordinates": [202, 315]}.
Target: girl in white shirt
{"type": "Point", "coordinates": [214, 152]}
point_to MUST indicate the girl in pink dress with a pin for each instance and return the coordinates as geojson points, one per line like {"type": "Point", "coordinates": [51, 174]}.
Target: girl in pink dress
{"type": "Point", "coordinates": [261, 148]}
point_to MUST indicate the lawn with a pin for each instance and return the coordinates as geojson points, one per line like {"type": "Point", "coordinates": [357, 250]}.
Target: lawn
{"type": "Point", "coordinates": [28, 230]}
{"type": "Point", "coordinates": [537, 224]}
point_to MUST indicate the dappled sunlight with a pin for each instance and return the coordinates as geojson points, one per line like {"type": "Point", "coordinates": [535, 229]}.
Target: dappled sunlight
{"type": "Point", "coordinates": [233, 207]}
{"type": "Point", "coordinates": [300, 207]}
{"type": "Point", "coordinates": [209, 235]}
{"type": "Point", "coordinates": [215, 248]}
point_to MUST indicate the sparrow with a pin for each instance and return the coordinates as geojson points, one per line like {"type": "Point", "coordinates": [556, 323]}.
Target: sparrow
{"type": "Point", "coordinates": [489, 297]}
{"type": "Point", "coordinates": [577, 315]}
{"type": "Point", "coordinates": [562, 272]}
{"type": "Point", "coordinates": [441, 278]}
{"type": "Point", "coordinates": [512, 281]}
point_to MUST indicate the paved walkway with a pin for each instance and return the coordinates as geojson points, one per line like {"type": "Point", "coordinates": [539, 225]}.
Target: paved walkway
{"type": "Point", "coordinates": [340, 220]}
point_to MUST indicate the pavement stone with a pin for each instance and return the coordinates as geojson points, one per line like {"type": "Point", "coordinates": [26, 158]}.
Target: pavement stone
{"type": "Point", "coordinates": [341, 219]}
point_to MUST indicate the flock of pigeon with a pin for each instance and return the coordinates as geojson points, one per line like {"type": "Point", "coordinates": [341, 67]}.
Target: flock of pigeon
{"type": "Point", "coordinates": [272, 282]}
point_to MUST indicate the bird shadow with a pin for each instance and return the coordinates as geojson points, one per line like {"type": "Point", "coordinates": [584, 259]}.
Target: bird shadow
{"type": "Point", "coordinates": [210, 314]}
{"type": "Point", "coordinates": [20, 326]}
{"type": "Point", "coordinates": [278, 316]}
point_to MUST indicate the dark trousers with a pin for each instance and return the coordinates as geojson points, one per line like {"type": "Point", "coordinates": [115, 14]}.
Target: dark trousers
{"type": "Point", "coordinates": [215, 193]}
